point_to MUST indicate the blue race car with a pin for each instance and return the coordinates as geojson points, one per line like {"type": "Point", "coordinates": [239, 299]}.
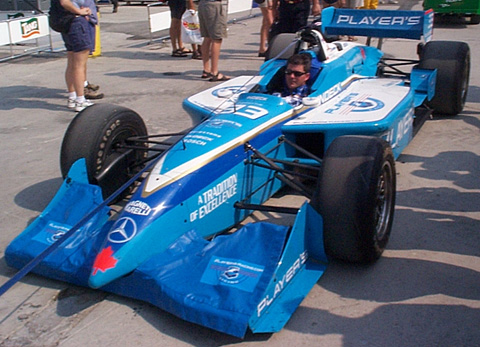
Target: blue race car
{"type": "Point", "coordinates": [147, 216]}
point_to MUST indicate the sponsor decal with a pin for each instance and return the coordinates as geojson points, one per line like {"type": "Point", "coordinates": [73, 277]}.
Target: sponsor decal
{"type": "Point", "coordinates": [124, 230]}
{"type": "Point", "coordinates": [429, 20]}
{"type": "Point", "coordinates": [213, 198]}
{"type": "Point", "coordinates": [403, 128]}
{"type": "Point", "coordinates": [104, 261]}
{"type": "Point", "coordinates": [382, 20]}
{"type": "Point", "coordinates": [51, 233]}
{"type": "Point", "coordinates": [354, 102]}
{"type": "Point", "coordinates": [248, 111]}
{"type": "Point", "coordinates": [369, 104]}
{"type": "Point", "coordinates": [231, 90]}
{"type": "Point", "coordinates": [282, 283]}
{"type": "Point", "coordinates": [29, 27]}
{"type": "Point", "coordinates": [256, 97]}
{"type": "Point", "coordinates": [233, 273]}
{"type": "Point", "coordinates": [327, 95]}
{"type": "Point", "coordinates": [200, 137]}
{"type": "Point", "coordinates": [220, 123]}
{"type": "Point", "coordinates": [138, 207]}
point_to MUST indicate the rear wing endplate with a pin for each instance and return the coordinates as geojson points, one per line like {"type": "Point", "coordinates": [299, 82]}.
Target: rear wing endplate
{"type": "Point", "coordinates": [378, 23]}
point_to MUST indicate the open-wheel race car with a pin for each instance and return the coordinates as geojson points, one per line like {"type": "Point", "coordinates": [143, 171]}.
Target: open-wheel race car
{"type": "Point", "coordinates": [146, 216]}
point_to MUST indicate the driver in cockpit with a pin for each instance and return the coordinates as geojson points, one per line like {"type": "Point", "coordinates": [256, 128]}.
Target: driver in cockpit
{"type": "Point", "coordinates": [297, 74]}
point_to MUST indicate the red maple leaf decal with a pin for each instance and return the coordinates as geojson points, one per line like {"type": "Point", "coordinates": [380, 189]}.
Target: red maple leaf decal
{"type": "Point", "coordinates": [104, 260]}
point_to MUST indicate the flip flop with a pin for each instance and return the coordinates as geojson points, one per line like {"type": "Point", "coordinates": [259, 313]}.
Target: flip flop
{"type": "Point", "coordinates": [219, 77]}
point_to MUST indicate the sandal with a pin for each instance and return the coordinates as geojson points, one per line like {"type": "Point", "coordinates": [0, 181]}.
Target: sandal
{"type": "Point", "coordinates": [196, 55]}
{"type": "Point", "coordinates": [178, 53]}
{"type": "Point", "coordinates": [184, 50]}
{"type": "Point", "coordinates": [206, 74]}
{"type": "Point", "coordinates": [219, 77]}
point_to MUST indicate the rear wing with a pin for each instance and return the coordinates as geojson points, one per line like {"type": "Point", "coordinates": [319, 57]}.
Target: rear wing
{"type": "Point", "coordinates": [378, 23]}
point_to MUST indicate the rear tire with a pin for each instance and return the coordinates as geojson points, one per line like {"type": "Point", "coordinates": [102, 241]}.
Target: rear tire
{"type": "Point", "coordinates": [452, 61]}
{"type": "Point", "coordinates": [356, 198]}
{"type": "Point", "coordinates": [98, 134]}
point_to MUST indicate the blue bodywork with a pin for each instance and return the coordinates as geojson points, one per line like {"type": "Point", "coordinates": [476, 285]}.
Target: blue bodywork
{"type": "Point", "coordinates": [162, 246]}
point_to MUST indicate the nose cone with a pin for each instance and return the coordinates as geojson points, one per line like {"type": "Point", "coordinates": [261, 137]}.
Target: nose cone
{"type": "Point", "coordinates": [104, 261]}
{"type": "Point", "coordinates": [107, 265]}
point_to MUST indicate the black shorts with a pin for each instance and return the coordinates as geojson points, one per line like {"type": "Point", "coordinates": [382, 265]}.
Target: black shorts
{"type": "Point", "coordinates": [177, 8]}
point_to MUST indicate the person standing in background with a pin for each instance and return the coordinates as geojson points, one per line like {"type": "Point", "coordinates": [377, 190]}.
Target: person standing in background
{"type": "Point", "coordinates": [213, 27]}
{"type": "Point", "coordinates": [196, 49]}
{"type": "Point", "coordinates": [79, 42]}
{"type": "Point", "coordinates": [354, 4]}
{"type": "Point", "coordinates": [370, 5]}
{"type": "Point", "coordinates": [291, 15]}
{"type": "Point", "coordinates": [115, 6]}
{"type": "Point", "coordinates": [267, 21]}
{"type": "Point", "coordinates": [335, 3]}
{"type": "Point", "coordinates": [177, 8]}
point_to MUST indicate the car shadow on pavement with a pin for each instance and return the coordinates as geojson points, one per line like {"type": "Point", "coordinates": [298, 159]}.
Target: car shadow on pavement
{"type": "Point", "coordinates": [37, 196]}
{"type": "Point", "coordinates": [473, 95]}
{"type": "Point", "coordinates": [394, 324]}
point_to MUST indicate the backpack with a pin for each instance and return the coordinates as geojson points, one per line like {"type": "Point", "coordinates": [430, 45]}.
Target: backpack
{"type": "Point", "coordinates": [59, 19]}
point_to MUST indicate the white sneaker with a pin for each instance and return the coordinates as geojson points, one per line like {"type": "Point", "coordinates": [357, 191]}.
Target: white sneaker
{"type": "Point", "coordinates": [71, 103]}
{"type": "Point", "coordinates": [80, 106]}
{"type": "Point", "coordinates": [393, 2]}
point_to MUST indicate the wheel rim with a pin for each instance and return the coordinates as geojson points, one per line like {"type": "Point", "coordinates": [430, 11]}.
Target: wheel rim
{"type": "Point", "coordinates": [116, 146]}
{"type": "Point", "coordinates": [385, 195]}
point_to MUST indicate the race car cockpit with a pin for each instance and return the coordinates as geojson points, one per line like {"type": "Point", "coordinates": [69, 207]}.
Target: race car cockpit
{"type": "Point", "coordinates": [307, 41]}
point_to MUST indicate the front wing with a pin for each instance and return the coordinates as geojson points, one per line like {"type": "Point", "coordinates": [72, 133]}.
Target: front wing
{"type": "Point", "coordinates": [254, 278]}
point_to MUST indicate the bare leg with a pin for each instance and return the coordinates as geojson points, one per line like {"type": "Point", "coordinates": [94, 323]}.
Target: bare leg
{"type": "Point", "coordinates": [206, 45]}
{"type": "Point", "coordinates": [69, 73]}
{"type": "Point", "coordinates": [76, 71]}
{"type": "Point", "coordinates": [176, 34]}
{"type": "Point", "coordinates": [266, 24]}
{"type": "Point", "coordinates": [215, 55]}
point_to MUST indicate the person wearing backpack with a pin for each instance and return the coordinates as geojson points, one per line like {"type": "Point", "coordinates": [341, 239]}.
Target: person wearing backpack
{"type": "Point", "coordinates": [76, 20]}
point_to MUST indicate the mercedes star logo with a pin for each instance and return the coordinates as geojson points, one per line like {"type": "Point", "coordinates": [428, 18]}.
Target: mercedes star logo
{"type": "Point", "coordinates": [125, 231]}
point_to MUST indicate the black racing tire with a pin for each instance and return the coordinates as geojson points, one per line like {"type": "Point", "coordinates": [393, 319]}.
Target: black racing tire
{"type": "Point", "coordinates": [452, 61]}
{"type": "Point", "coordinates": [278, 44]}
{"type": "Point", "coordinates": [98, 134]}
{"type": "Point", "coordinates": [355, 196]}
{"type": "Point", "coordinates": [475, 19]}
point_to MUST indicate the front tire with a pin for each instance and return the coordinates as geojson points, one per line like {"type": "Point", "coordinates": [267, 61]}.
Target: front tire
{"type": "Point", "coordinates": [99, 134]}
{"type": "Point", "coordinates": [356, 198]}
{"type": "Point", "coordinates": [452, 61]}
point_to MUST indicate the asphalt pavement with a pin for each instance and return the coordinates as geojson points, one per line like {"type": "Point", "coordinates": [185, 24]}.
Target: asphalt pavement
{"type": "Point", "coordinates": [424, 291]}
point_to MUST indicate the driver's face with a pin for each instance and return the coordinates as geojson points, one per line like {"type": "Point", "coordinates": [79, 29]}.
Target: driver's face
{"type": "Point", "coordinates": [292, 80]}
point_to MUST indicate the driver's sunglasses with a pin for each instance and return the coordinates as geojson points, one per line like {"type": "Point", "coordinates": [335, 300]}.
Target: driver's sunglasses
{"type": "Point", "coordinates": [295, 73]}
